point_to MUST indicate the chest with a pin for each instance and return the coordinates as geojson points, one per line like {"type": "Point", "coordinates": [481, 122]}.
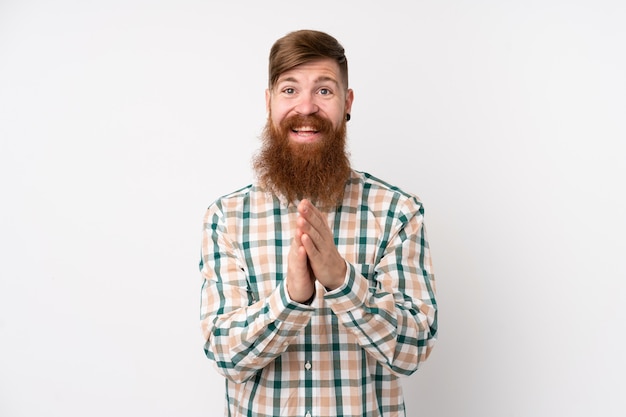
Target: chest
{"type": "Point", "coordinates": [360, 237]}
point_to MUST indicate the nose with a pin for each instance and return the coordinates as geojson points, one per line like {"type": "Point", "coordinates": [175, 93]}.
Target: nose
{"type": "Point", "coordinates": [306, 105]}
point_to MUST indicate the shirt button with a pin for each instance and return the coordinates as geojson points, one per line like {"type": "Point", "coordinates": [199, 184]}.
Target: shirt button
{"type": "Point", "coordinates": [307, 366]}
{"type": "Point", "coordinates": [308, 414]}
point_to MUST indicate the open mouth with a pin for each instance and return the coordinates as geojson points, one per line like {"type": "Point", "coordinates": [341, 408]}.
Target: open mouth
{"type": "Point", "coordinates": [305, 131]}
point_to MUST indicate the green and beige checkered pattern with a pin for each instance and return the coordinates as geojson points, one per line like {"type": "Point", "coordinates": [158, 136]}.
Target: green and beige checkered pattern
{"type": "Point", "coordinates": [342, 355]}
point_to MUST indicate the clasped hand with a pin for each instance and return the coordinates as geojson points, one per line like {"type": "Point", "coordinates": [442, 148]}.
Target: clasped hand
{"type": "Point", "coordinates": [313, 255]}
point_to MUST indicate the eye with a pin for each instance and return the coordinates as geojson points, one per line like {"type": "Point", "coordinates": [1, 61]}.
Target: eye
{"type": "Point", "coordinates": [289, 90]}
{"type": "Point", "coordinates": [325, 91]}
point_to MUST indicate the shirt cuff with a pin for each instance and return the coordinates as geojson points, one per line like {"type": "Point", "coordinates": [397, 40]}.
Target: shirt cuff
{"type": "Point", "coordinates": [282, 308]}
{"type": "Point", "coordinates": [351, 295]}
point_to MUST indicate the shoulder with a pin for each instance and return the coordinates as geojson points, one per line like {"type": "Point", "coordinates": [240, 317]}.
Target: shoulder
{"type": "Point", "coordinates": [380, 193]}
{"type": "Point", "coordinates": [249, 201]}
{"type": "Point", "coordinates": [236, 195]}
{"type": "Point", "coordinates": [229, 202]}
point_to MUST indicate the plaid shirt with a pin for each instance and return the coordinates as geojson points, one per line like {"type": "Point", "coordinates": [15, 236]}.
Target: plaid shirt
{"type": "Point", "coordinates": [343, 354]}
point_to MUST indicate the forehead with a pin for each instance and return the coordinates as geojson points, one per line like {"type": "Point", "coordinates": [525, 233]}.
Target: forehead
{"type": "Point", "coordinates": [314, 71]}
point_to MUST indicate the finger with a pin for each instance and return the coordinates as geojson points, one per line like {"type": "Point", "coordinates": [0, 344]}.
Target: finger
{"type": "Point", "coordinates": [295, 246]}
{"type": "Point", "coordinates": [317, 241]}
{"type": "Point", "coordinates": [302, 259]}
{"type": "Point", "coordinates": [311, 213]}
{"type": "Point", "coordinates": [305, 228]}
{"type": "Point", "coordinates": [298, 260]}
{"type": "Point", "coordinates": [297, 238]}
{"type": "Point", "coordinates": [314, 223]}
{"type": "Point", "coordinates": [310, 247]}
{"type": "Point", "coordinates": [299, 281]}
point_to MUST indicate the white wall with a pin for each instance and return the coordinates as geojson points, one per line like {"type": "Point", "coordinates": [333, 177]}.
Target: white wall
{"type": "Point", "coordinates": [120, 121]}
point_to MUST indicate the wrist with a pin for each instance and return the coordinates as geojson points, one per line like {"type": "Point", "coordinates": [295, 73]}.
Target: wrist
{"type": "Point", "coordinates": [340, 278]}
{"type": "Point", "coordinates": [310, 300]}
{"type": "Point", "coordinates": [296, 296]}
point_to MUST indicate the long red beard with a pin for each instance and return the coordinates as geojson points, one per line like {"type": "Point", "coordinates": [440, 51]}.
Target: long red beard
{"type": "Point", "coordinates": [317, 171]}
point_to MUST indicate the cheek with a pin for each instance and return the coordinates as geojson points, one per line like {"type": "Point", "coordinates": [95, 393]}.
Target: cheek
{"type": "Point", "coordinates": [277, 114]}
{"type": "Point", "coordinates": [276, 119]}
{"type": "Point", "coordinates": [338, 118]}
{"type": "Point", "coordinates": [337, 110]}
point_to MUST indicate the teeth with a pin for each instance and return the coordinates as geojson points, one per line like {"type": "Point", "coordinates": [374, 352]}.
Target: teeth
{"type": "Point", "coordinates": [305, 128]}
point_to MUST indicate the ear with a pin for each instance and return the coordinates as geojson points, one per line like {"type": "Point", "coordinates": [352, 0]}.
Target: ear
{"type": "Point", "coordinates": [349, 100]}
{"type": "Point", "coordinates": [268, 96]}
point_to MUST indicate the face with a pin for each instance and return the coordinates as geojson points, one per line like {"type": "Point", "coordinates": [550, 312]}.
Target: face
{"type": "Point", "coordinates": [311, 89]}
{"type": "Point", "coordinates": [304, 142]}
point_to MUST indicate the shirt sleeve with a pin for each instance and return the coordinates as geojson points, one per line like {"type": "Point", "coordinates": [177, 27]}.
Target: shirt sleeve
{"type": "Point", "coordinates": [242, 335]}
{"type": "Point", "coordinates": [393, 311]}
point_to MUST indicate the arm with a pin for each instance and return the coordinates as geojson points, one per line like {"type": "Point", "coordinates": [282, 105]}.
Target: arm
{"type": "Point", "coordinates": [242, 335]}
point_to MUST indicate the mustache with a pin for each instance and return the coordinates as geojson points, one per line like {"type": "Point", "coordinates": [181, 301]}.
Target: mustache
{"type": "Point", "coordinates": [314, 121]}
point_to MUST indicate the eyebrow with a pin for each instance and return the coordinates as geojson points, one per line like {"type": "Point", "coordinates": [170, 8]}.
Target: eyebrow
{"type": "Point", "coordinates": [319, 80]}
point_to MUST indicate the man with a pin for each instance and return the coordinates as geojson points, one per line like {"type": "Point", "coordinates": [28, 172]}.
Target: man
{"type": "Point", "coordinates": [318, 292]}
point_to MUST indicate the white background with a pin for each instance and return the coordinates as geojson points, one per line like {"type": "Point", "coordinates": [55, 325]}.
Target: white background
{"type": "Point", "coordinates": [120, 121]}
